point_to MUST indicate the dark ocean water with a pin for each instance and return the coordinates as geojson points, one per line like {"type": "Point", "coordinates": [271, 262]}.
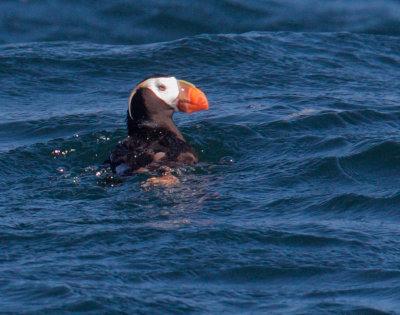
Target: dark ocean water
{"type": "Point", "coordinates": [295, 205]}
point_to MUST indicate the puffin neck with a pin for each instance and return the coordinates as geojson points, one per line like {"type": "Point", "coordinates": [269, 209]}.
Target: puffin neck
{"type": "Point", "coordinates": [149, 111]}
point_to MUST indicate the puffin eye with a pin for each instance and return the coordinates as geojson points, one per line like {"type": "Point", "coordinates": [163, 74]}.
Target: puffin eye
{"type": "Point", "coordinates": [162, 87]}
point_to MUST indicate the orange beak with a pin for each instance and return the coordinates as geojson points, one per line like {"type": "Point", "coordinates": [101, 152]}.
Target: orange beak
{"type": "Point", "coordinates": [191, 99]}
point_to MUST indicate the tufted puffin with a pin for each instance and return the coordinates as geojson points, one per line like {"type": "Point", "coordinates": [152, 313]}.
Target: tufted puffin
{"type": "Point", "coordinates": [153, 140]}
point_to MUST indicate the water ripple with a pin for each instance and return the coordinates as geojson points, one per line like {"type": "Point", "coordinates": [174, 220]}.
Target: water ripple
{"type": "Point", "coordinates": [293, 207]}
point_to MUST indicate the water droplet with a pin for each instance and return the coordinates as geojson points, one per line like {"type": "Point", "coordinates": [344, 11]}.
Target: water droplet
{"type": "Point", "coordinates": [226, 160]}
{"type": "Point", "coordinates": [103, 138]}
{"type": "Point", "coordinates": [89, 169]}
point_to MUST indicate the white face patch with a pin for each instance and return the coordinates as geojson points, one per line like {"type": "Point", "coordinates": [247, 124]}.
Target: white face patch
{"type": "Point", "coordinates": [165, 88]}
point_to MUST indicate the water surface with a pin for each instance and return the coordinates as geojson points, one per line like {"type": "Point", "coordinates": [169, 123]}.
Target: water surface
{"type": "Point", "coordinates": [294, 207]}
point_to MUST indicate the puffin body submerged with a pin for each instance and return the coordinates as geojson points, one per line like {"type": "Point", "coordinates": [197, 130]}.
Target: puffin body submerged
{"type": "Point", "coordinates": [153, 139]}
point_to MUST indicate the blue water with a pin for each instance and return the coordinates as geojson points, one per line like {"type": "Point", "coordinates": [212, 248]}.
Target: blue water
{"type": "Point", "coordinates": [295, 205]}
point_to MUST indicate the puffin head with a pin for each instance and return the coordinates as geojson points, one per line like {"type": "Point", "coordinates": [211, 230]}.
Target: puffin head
{"type": "Point", "coordinates": [164, 95]}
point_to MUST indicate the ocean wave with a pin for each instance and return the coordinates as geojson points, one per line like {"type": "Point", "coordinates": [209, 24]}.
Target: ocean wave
{"type": "Point", "coordinates": [296, 190]}
{"type": "Point", "coordinates": [123, 22]}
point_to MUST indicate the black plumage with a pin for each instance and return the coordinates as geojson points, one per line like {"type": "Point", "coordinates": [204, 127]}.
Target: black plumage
{"type": "Point", "coordinates": [153, 139]}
